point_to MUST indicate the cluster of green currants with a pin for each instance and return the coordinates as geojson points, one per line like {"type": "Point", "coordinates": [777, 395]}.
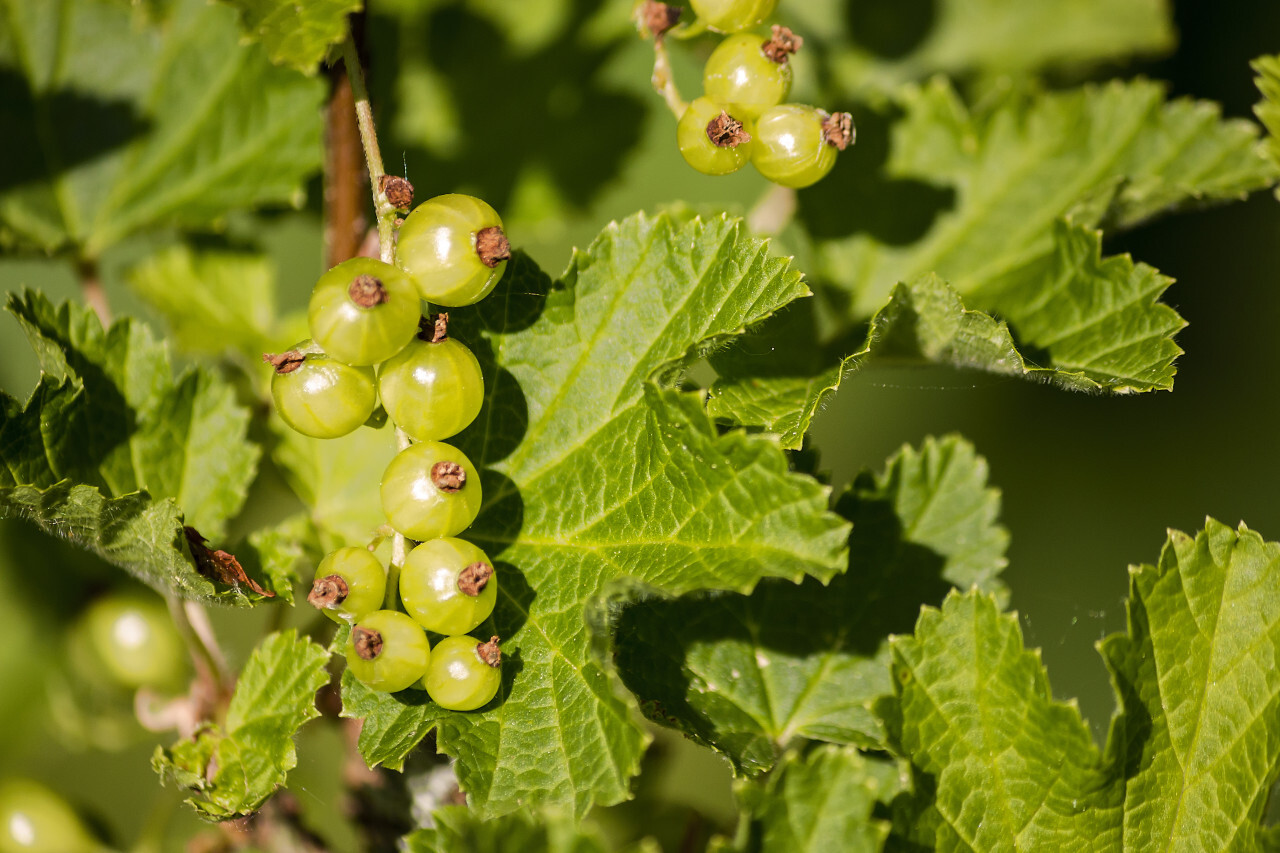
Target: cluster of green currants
{"type": "Point", "coordinates": [366, 313]}
{"type": "Point", "coordinates": [741, 116]}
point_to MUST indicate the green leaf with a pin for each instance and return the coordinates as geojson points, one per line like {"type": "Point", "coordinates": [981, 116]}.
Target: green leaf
{"type": "Point", "coordinates": [192, 124]}
{"type": "Point", "coordinates": [213, 303]}
{"type": "Point", "coordinates": [116, 454]}
{"type": "Point", "coordinates": [1268, 110]}
{"type": "Point", "coordinates": [233, 768]}
{"type": "Point", "coordinates": [750, 675]}
{"type": "Point", "coordinates": [279, 552]}
{"type": "Point", "coordinates": [1095, 323]}
{"type": "Point", "coordinates": [1111, 156]}
{"type": "Point", "coordinates": [815, 802]}
{"type": "Point", "coordinates": [1191, 757]}
{"type": "Point", "coordinates": [458, 830]}
{"type": "Point", "coordinates": [337, 479]}
{"type": "Point", "coordinates": [989, 36]}
{"type": "Point", "coordinates": [570, 405]}
{"type": "Point", "coordinates": [296, 34]}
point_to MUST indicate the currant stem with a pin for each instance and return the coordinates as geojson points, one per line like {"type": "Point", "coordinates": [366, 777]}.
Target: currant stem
{"type": "Point", "coordinates": [664, 82]}
{"type": "Point", "coordinates": [92, 291]}
{"type": "Point", "coordinates": [386, 213]}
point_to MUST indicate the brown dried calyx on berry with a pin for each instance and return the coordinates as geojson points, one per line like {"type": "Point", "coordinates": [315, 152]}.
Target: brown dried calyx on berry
{"type": "Point", "coordinates": [448, 476]}
{"type": "Point", "coordinates": [838, 130]}
{"type": "Point", "coordinates": [285, 362]}
{"type": "Point", "coordinates": [367, 291]}
{"type": "Point", "coordinates": [489, 653]}
{"type": "Point", "coordinates": [367, 642]}
{"type": "Point", "coordinates": [492, 246]}
{"type": "Point", "coordinates": [328, 592]}
{"type": "Point", "coordinates": [398, 191]}
{"type": "Point", "coordinates": [474, 578]}
{"type": "Point", "coordinates": [782, 45]}
{"type": "Point", "coordinates": [434, 329]}
{"type": "Point", "coordinates": [725, 131]}
{"type": "Point", "coordinates": [659, 17]}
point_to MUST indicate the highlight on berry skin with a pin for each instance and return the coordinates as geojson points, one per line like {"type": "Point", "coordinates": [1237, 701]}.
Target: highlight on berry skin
{"type": "Point", "coordinates": [750, 71]}
{"type": "Point", "coordinates": [796, 145]}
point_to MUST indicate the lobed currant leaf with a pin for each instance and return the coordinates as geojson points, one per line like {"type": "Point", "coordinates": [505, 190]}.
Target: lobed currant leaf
{"type": "Point", "coordinates": [1191, 756]}
{"type": "Point", "coordinates": [232, 768]}
{"type": "Point", "coordinates": [579, 378]}
{"type": "Point", "coordinates": [116, 454]}
{"type": "Point", "coordinates": [197, 124]}
{"type": "Point", "coordinates": [1095, 322]}
{"type": "Point", "coordinates": [754, 675]}
{"type": "Point", "coordinates": [295, 34]}
{"type": "Point", "coordinates": [983, 37]}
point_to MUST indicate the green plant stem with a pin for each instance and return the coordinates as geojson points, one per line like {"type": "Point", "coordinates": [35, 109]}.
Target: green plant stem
{"type": "Point", "coordinates": [664, 81]}
{"type": "Point", "coordinates": [386, 214]}
{"type": "Point", "coordinates": [202, 645]}
{"type": "Point", "coordinates": [91, 288]}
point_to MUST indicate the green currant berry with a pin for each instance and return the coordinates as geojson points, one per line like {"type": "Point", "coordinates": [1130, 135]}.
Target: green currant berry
{"type": "Point", "coordinates": [130, 638]}
{"type": "Point", "coordinates": [464, 673]}
{"type": "Point", "coordinates": [729, 16]}
{"type": "Point", "coordinates": [432, 388]}
{"type": "Point", "coordinates": [350, 583]}
{"type": "Point", "coordinates": [34, 818]}
{"type": "Point", "coordinates": [711, 140]}
{"type": "Point", "coordinates": [796, 145]}
{"type": "Point", "coordinates": [750, 72]}
{"type": "Point", "coordinates": [320, 396]}
{"type": "Point", "coordinates": [447, 586]}
{"type": "Point", "coordinates": [430, 489]}
{"type": "Point", "coordinates": [388, 651]}
{"type": "Point", "coordinates": [454, 248]}
{"type": "Point", "coordinates": [363, 311]}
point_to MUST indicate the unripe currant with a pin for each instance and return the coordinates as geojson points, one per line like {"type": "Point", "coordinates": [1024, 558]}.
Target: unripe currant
{"type": "Point", "coordinates": [751, 72]}
{"type": "Point", "coordinates": [320, 396]}
{"type": "Point", "coordinates": [729, 16]}
{"type": "Point", "coordinates": [796, 145]}
{"type": "Point", "coordinates": [454, 248]}
{"type": "Point", "coordinates": [34, 818]}
{"type": "Point", "coordinates": [130, 639]}
{"type": "Point", "coordinates": [464, 673]}
{"type": "Point", "coordinates": [448, 586]}
{"type": "Point", "coordinates": [388, 651]}
{"type": "Point", "coordinates": [429, 490]}
{"type": "Point", "coordinates": [350, 583]}
{"type": "Point", "coordinates": [711, 140]}
{"type": "Point", "coordinates": [433, 388]}
{"type": "Point", "coordinates": [363, 311]}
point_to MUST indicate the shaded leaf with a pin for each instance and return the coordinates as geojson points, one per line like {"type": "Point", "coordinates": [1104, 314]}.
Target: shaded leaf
{"type": "Point", "coordinates": [818, 801]}
{"type": "Point", "coordinates": [186, 123]}
{"type": "Point", "coordinates": [233, 768]}
{"type": "Point", "coordinates": [1268, 109]}
{"type": "Point", "coordinates": [116, 454]}
{"type": "Point", "coordinates": [1094, 325]}
{"type": "Point", "coordinates": [874, 49]}
{"type": "Point", "coordinates": [458, 830]}
{"type": "Point", "coordinates": [752, 675]}
{"type": "Point", "coordinates": [1111, 156]}
{"type": "Point", "coordinates": [296, 34]}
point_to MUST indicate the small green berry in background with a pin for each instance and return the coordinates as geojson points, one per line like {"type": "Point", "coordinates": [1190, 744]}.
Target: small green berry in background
{"type": "Point", "coordinates": [718, 426]}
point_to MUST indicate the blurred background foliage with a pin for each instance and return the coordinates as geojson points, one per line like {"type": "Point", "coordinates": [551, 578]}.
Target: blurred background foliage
{"type": "Point", "coordinates": [544, 109]}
